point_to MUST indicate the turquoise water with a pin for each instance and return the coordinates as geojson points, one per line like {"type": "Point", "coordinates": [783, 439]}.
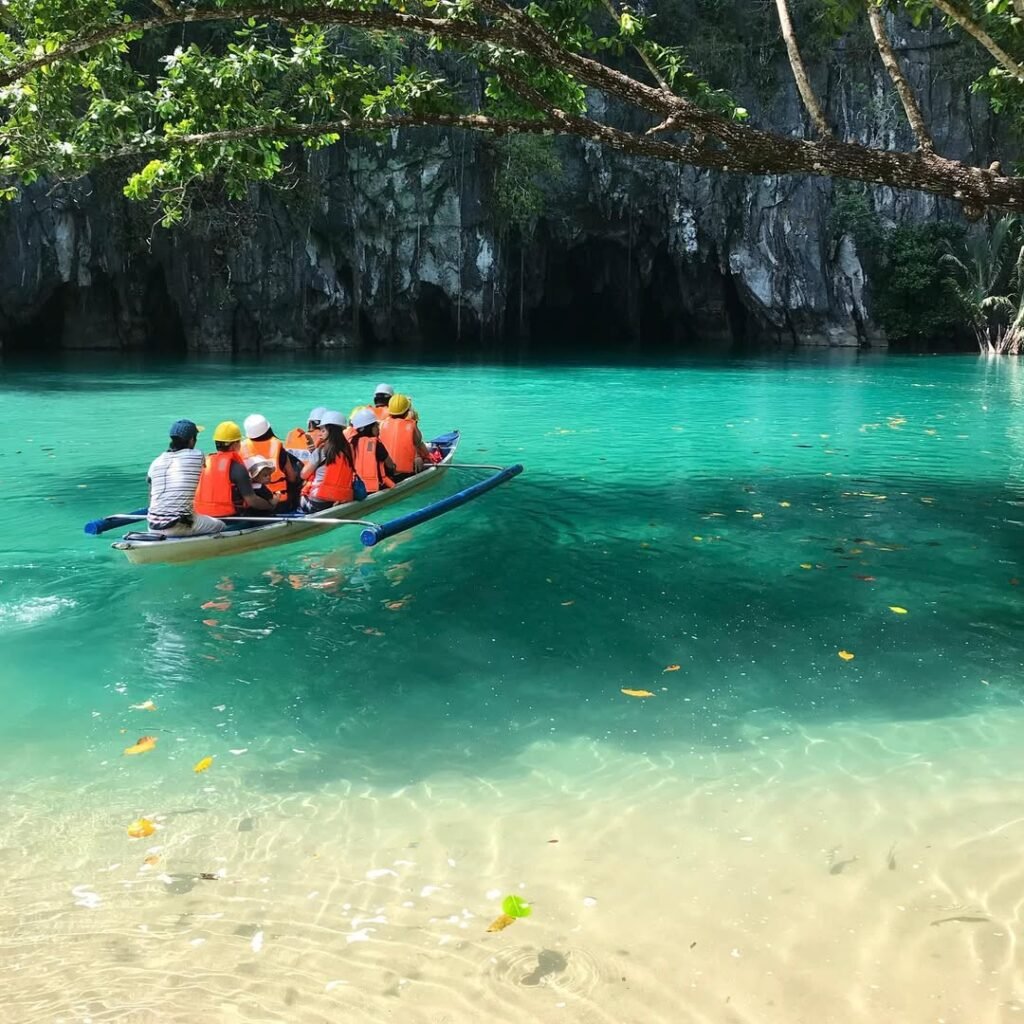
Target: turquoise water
{"type": "Point", "coordinates": [456, 692]}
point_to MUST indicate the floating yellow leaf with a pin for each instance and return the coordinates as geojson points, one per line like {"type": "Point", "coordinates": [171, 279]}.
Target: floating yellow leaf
{"type": "Point", "coordinates": [757, 515]}
{"type": "Point", "coordinates": [146, 705]}
{"type": "Point", "coordinates": [846, 655]}
{"type": "Point", "coordinates": [783, 504]}
{"type": "Point", "coordinates": [566, 604]}
{"type": "Point", "coordinates": [806, 565]}
{"type": "Point", "coordinates": [201, 766]}
{"type": "Point", "coordinates": [142, 746]}
{"type": "Point", "coordinates": [141, 828]}
{"type": "Point", "coordinates": [698, 539]}
{"type": "Point", "coordinates": [501, 922]}
{"type": "Point", "coordinates": [897, 609]}
{"type": "Point", "coordinates": [638, 693]}
{"type": "Point", "coordinates": [219, 606]}
{"type": "Point", "coordinates": [671, 668]}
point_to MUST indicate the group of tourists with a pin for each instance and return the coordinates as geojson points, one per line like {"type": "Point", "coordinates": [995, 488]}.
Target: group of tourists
{"type": "Point", "coordinates": [253, 473]}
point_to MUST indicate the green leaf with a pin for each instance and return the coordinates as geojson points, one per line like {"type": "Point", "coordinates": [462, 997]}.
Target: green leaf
{"type": "Point", "coordinates": [516, 906]}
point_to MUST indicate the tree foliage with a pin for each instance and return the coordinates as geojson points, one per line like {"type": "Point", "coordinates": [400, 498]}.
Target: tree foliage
{"type": "Point", "coordinates": [178, 92]}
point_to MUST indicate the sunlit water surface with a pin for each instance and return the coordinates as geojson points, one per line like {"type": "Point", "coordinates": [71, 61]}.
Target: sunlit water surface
{"type": "Point", "coordinates": [404, 736]}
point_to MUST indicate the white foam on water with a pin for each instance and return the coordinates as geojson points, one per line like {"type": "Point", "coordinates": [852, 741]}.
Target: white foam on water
{"type": "Point", "coordinates": [34, 610]}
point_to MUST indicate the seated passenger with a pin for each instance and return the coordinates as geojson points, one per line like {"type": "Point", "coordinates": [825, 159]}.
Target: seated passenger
{"type": "Point", "coordinates": [261, 474]}
{"type": "Point", "coordinates": [173, 477]}
{"type": "Point", "coordinates": [329, 471]}
{"type": "Point", "coordinates": [381, 397]}
{"type": "Point", "coordinates": [402, 438]}
{"type": "Point", "coordinates": [224, 487]}
{"type": "Point", "coordinates": [260, 440]}
{"type": "Point", "coordinates": [300, 442]}
{"type": "Point", "coordinates": [371, 459]}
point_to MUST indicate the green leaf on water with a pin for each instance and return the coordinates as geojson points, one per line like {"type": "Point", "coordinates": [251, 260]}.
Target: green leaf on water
{"type": "Point", "coordinates": [516, 906]}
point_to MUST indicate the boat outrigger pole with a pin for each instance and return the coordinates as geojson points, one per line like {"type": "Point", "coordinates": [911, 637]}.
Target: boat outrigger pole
{"type": "Point", "coordinates": [375, 534]}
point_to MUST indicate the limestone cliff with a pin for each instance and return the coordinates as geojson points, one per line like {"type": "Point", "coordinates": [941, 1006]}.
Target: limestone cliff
{"type": "Point", "coordinates": [401, 244]}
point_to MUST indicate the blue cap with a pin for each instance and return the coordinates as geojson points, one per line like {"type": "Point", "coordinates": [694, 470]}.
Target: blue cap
{"type": "Point", "coordinates": [185, 429]}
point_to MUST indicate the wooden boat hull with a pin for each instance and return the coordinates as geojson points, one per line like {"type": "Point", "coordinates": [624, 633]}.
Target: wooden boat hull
{"type": "Point", "coordinates": [181, 550]}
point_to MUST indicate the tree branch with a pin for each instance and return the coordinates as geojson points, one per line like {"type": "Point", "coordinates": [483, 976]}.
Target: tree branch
{"type": "Point", "coordinates": [899, 81]}
{"type": "Point", "coordinates": [803, 83]}
{"type": "Point", "coordinates": [383, 21]}
{"type": "Point", "coordinates": [737, 147]}
{"type": "Point", "coordinates": [648, 63]}
{"type": "Point", "coordinates": [972, 28]}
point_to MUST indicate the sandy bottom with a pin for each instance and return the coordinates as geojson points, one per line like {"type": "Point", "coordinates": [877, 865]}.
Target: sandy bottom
{"type": "Point", "coordinates": [857, 872]}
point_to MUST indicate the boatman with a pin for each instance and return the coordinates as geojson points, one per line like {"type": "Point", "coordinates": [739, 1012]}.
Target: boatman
{"type": "Point", "coordinates": [224, 487]}
{"type": "Point", "coordinates": [173, 478]}
{"type": "Point", "coordinates": [381, 397]}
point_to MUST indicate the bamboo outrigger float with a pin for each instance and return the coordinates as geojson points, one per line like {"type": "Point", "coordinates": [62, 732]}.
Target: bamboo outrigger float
{"type": "Point", "coordinates": [245, 534]}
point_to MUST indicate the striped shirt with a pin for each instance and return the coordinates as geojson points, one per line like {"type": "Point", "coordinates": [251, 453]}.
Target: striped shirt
{"type": "Point", "coordinates": [173, 478]}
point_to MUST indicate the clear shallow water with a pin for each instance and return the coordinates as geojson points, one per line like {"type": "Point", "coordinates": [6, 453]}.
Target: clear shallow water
{"type": "Point", "coordinates": [429, 714]}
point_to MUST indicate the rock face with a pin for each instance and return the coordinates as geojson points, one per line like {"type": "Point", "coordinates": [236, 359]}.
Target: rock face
{"type": "Point", "coordinates": [399, 244]}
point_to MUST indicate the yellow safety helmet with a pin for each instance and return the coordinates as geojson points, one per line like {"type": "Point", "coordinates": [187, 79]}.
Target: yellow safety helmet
{"type": "Point", "coordinates": [227, 432]}
{"type": "Point", "coordinates": [399, 405]}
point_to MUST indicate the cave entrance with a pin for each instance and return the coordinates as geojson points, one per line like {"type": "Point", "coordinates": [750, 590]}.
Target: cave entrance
{"type": "Point", "coordinates": [594, 298]}
{"type": "Point", "coordinates": [92, 318]}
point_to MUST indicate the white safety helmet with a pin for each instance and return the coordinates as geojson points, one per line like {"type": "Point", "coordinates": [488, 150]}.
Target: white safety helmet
{"type": "Point", "coordinates": [315, 414]}
{"type": "Point", "coordinates": [384, 389]}
{"type": "Point", "coordinates": [256, 426]}
{"type": "Point", "coordinates": [363, 417]}
{"type": "Point", "coordinates": [332, 417]}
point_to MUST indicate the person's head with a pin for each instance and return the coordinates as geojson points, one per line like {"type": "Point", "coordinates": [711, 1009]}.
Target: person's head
{"type": "Point", "coordinates": [314, 417]}
{"type": "Point", "coordinates": [183, 434]}
{"type": "Point", "coordinates": [260, 470]}
{"type": "Point", "coordinates": [228, 436]}
{"type": "Point", "coordinates": [257, 427]}
{"type": "Point", "coordinates": [366, 422]}
{"type": "Point", "coordinates": [399, 406]}
{"type": "Point", "coordinates": [330, 437]}
{"type": "Point", "coordinates": [382, 394]}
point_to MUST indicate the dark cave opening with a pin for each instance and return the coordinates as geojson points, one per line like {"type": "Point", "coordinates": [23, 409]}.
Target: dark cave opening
{"type": "Point", "coordinates": [93, 318]}
{"type": "Point", "coordinates": [594, 296]}
{"type": "Point", "coordinates": [436, 317]}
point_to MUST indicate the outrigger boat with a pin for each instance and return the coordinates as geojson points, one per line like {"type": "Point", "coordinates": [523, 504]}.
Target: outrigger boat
{"type": "Point", "coordinates": [244, 534]}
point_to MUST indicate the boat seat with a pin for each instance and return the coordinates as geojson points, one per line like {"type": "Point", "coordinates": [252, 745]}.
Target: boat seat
{"type": "Point", "coordinates": [144, 536]}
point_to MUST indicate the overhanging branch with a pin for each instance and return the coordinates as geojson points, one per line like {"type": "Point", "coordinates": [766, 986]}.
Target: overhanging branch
{"type": "Point", "coordinates": [910, 105]}
{"type": "Point", "coordinates": [972, 28]}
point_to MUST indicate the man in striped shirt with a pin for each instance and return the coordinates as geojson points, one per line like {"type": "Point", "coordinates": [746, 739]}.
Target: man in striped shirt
{"type": "Point", "coordinates": [173, 477]}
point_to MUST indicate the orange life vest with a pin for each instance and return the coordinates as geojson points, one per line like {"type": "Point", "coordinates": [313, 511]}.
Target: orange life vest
{"type": "Point", "coordinates": [270, 449]}
{"type": "Point", "coordinates": [380, 411]}
{"type": "Point", "coordinates": [215, 493]}
{"type": "Point", "coordinates": [399, 437]}
{"type": "Point", "coordinates": [364, 451]}
{"type": "Point", "coordinates": [335, 486]}
{"type": "Point", "coordinates": [296, 439]}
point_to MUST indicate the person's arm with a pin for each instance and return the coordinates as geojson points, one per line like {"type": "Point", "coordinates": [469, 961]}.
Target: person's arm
{"type": "Point", "coordinates": [310, 466]}
{"type": "Point", "coordinates": [422, 452]}
{"type": "Point", "coordinates": [383, 457]}
{"type": "Point", "coordinates": [240, 478]}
